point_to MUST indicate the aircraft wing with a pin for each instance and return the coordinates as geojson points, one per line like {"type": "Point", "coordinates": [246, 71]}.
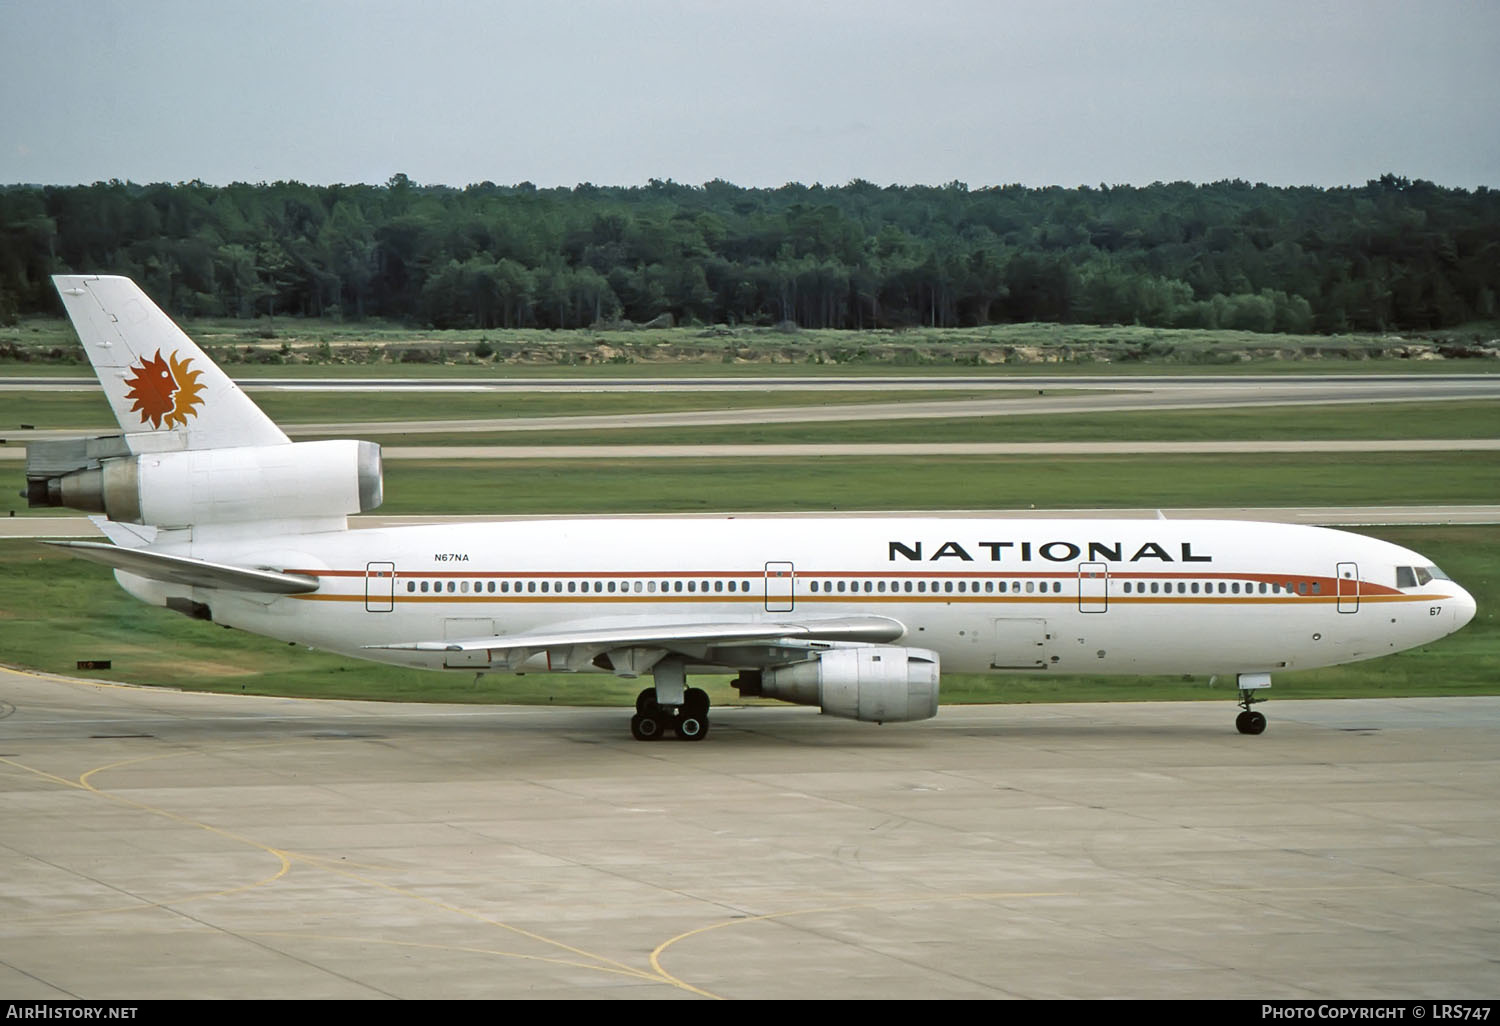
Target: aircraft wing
{"type": "Point", "coordinates": [843, 628]}
{"type": "Point", "coordinates": [198, 573]}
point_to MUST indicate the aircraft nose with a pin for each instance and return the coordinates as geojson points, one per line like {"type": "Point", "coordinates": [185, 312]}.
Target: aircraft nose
{"type": "Point", "coordinates": [1463, 606]}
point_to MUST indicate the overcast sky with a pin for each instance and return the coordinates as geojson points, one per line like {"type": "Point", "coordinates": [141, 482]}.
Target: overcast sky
{"type": "Point", "coordinates": [758, 92]}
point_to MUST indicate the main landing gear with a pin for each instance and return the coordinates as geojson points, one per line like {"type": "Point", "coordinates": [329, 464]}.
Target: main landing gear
{"type": "Point", "coordinates": [653, 721]}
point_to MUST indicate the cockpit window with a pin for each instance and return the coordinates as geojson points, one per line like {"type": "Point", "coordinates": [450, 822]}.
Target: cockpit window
{"type": "Point", "coordinates": [1437, 574]}
{"type": "Point", "coordinates": [1405, 577]}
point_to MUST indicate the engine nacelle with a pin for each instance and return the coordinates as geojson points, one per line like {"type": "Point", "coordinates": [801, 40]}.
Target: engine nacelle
{"type": "Point", "coordinates": [875, 683]}
{"type": "Point", "coordinates": [218, 486]}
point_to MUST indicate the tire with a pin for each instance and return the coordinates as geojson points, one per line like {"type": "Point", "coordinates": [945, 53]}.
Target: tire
{"type": "Point", "coordinates": [691, 727]}
{"type": "Point", "coordinates": [645, 728]}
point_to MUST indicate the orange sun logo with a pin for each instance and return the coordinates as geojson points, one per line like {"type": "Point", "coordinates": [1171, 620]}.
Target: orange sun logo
{"type": "Point", "coordinates": [164, 390]}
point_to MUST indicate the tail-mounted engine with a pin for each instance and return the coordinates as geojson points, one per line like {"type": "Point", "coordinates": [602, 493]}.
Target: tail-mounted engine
{"type": "Point", "coordinates": [875, 683]}
{"type": "Point", "coordinates": [204, 486]}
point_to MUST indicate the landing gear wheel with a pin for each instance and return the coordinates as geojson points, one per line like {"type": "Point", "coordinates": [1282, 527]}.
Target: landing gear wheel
{"type": "Point", "coordinates": [1250, 722]}
{"type": "Point", "coordinates": [645, 727]}
{"type": "Point", "coordinates": [695, 702]}
{"type": "Point", "coordinates": [691, 727]}
{"type": "Point", "coordinates": [645, 701]}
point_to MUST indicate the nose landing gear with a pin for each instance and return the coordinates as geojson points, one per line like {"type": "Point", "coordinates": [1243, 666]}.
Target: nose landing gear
{"type": "Point", "coordinates": [1249, 721]}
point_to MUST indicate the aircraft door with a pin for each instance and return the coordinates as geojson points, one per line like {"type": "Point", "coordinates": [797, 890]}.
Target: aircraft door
{"type": "Point", "coordinates": [1093, 588]}
{"type": "Point", "coordinates": [1019, 644]}
{"type": "Point", "coordinates": [1348, 587]}
{"type": "Point", "coordinates": [781, 581]}
{"type": "Point", "coordinates": [380, 587]}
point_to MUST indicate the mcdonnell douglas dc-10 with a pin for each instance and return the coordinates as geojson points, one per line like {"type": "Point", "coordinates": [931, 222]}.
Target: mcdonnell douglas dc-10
{"type": "Point", "coordinates": [215, 513]}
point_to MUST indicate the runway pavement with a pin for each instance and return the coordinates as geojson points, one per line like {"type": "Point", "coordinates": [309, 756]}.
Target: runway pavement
{"type": "Point", "coordinates": [1093, 395]}
{"type": "Point", "coordinates": [166, 845]}
{"type": "Point", "coordinates": [77, 526]}
{"type": "Point", "coordinates": [490, 382]}
{"type": "Point", "coordinates": [895, 449]}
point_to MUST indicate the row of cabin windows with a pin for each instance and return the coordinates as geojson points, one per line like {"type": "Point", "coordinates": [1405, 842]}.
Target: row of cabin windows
{"type": "Point", "coordinates": [923, 587]}
{"type": "Point", "coordinates": [847, 587]}
{"type": "Point", "coordinates": [575, 587]}
{"type": "Point", "coordinates": [1224, 588]}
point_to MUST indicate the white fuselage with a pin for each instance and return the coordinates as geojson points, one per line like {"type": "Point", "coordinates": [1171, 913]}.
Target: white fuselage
{"type": "Point", "coordinates": [1063, 596]}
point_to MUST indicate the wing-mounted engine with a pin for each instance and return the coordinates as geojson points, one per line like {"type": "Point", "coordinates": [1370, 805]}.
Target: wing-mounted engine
{"type": "Point", "coordinates": [205, 486]}
{"type": "Point", "coordinates": [875, 683]}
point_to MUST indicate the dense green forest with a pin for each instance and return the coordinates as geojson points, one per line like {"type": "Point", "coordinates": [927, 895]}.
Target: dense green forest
{"type": "Point", "coordinates": [1394, 254]}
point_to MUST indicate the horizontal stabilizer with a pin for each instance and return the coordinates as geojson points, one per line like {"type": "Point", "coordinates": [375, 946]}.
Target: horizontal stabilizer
{"type": "Point", "coordinates": [198, 573]}
{"type": "Point", "coordinates": [875, 629]}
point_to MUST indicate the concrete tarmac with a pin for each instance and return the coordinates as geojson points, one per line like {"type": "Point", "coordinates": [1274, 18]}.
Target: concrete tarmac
{"type": "Point", "coordinates": [79, 526]}
{"type": "Point", "coordinates": [166, 845]}
{"type": "Point", "coordinates": [1085, 394]}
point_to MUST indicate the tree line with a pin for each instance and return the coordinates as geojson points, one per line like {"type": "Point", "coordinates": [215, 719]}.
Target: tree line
{"type": "Point", "coordinates": [1393, 254]}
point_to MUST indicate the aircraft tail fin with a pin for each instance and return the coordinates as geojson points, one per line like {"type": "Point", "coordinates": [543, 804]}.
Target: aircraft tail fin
{"type": "Point", "coordinates": [164, 390]}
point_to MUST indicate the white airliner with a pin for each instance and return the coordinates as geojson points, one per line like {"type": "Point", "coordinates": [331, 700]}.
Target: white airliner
{"type": "Point", "coordinates": [213, 512]}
